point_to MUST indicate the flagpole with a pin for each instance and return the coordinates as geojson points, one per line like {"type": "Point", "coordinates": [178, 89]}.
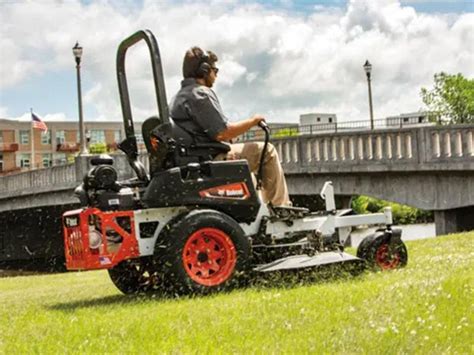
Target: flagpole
{"type": "Point", "coordinates": [32, 141]}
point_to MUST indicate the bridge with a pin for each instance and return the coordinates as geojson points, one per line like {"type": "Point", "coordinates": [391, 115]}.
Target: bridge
{"type": "Point", "coordinates": [428, 167]}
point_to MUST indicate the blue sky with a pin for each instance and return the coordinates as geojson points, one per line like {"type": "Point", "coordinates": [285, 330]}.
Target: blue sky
{"type": "Point", "coordinates": [279, 58]}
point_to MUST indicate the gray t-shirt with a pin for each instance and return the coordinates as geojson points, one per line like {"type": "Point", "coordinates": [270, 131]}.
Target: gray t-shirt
{"type": "Point", "coordinates": [196, 110]}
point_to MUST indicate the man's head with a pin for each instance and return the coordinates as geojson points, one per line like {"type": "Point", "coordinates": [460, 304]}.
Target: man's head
{"type": "Point", "coordinates": [200, 65]}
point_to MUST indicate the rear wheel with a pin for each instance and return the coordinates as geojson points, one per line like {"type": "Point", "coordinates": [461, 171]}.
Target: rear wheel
{"type": "Point", "coordinates": [202, 252]}
{"type": "Point", "coordinates": [136, 276]}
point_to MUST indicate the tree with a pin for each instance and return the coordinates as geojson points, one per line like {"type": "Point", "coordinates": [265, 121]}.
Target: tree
{"type": "Point", "coordinates": [98, 148]}
{"type": "Point", "coordinates": [451, 99]}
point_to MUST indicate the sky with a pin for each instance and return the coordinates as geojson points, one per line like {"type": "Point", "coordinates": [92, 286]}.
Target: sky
{"type": "Point", "coordinates": [276, 58]}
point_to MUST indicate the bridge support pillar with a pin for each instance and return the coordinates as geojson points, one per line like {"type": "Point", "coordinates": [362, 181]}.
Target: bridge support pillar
{"type": "Point", "coordinates": [455, 220]}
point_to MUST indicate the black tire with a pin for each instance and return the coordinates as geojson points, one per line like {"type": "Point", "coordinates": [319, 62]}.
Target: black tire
{"type": "Point", "coordinates": [136, 276]}
{"type": "Point", "coordinates": [202, 252]}
{"type": "Point", "coordinates": [381, 253]}
{"type": "Point", "coordinates": [363, 249]}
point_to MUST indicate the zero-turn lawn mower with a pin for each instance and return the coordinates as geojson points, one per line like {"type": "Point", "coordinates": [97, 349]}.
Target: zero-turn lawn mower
{"type": "Point", "coordinates": [195, 225]}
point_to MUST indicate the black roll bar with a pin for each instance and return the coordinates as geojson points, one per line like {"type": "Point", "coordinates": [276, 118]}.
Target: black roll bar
{"type": "Point", "coordinates": [160, 92]}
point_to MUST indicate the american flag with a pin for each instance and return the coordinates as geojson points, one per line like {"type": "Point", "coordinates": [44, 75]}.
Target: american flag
{"type": "Point", "coordinates": [38, 123]}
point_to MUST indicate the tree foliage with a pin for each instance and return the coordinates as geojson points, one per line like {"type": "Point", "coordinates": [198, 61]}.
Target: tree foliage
{"type": "Point", "coordinates": [98, 148]}
{"type": "Point", "coordinates": [451, 99]}
{"type": "Point", "coordinates": [284, 132]}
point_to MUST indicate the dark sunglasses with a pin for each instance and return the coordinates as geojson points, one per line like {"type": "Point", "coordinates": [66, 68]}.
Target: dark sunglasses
{"type": "Point", "coordinates": [216, 70]}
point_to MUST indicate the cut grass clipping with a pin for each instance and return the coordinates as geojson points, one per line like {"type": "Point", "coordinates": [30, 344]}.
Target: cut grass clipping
{"type": "Point", "coordinates": [425, 308]}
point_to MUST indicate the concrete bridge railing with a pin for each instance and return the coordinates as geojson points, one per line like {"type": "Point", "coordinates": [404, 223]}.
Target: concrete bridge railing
{"type": "Point", "coordinates": [49, 178]}
{"type": "Point", "coordinates": [422, 148]}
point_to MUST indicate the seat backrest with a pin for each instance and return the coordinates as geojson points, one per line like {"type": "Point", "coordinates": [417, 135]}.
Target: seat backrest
{"type": "Point", "coordinates": [181, 137]}
{"type": "Point", "coordinates": [147, 127]}
{"type": "Point", "coordinates": [186, 150]}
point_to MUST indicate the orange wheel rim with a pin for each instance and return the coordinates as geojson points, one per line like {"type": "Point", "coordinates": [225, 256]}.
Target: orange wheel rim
{"type": "Point", "coordinates": [209, 256]}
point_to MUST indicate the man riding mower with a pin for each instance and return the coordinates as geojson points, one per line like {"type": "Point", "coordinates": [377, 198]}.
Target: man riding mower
{"type": "Point", "coordinates": [197, 224]}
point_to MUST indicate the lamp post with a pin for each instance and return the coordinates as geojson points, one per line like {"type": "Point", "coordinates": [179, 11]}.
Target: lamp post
{"type": "Point", "coordinates": [77, 51]}
{"type": "Point", "coordinates": [368, 69]}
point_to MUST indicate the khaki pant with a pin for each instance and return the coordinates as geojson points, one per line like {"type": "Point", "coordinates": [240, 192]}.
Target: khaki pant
{"type": "Point", "coordinates": [274, 187]}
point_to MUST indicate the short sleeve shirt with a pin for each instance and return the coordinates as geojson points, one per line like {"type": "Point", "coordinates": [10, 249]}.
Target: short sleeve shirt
{"type": "Point", "coordinates": [196, 109]}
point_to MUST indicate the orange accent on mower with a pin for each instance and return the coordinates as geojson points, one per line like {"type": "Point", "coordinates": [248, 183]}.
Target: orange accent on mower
{"type": "Point", "coordinates": [235, 191]}
{"type": "Point", "coordinates": [94, 239]}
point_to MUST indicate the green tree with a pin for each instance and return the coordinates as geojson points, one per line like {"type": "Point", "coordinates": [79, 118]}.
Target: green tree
{"type": "Point", "coordinates": [451, 99]}
{"type": "Point", "coordinates": [284, 132]}
{"type": "Point", "coordinates": [98, 148]}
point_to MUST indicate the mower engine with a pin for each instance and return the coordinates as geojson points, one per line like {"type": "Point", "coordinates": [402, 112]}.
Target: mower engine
{"type": "Point", "coordinates": [101, 189]}
{"type": "Point", "coordinates": [102, 233]}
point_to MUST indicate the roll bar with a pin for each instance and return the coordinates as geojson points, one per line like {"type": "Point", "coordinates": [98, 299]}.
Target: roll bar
{"type": "Point", "coordinates": [160, 91]}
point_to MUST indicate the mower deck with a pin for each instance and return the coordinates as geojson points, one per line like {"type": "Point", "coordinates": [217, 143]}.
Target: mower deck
{"type": "Point", "coordinates": [306, 261]}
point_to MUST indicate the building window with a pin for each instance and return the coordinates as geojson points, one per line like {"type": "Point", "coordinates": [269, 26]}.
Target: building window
{"type": "Point", "coordinates": [139, 138]}
{"type": "Point", "coordinates": [330, 119]}
{"type": "Point", "coordinates": [318, 119]}
{"type": "Point", "coordinates": [117, 136]}
{"type": "Point", "coordinates": [47, 161]}
{"type": "Point", "coordinates": [1, 162]}
{"type": "Point", "coordinates": [60, 137]}
{"type": "Point", "coordinates": [1, 137]}
{"type": "Point", "coordinates": [24, 137]}
{"type": "Point", "coordinates": [60, 159]}
{"type": "Point", "coordinates": [97, 136]}
{"type": "Point", "coordinates": [46, 137]}
{"type": "Point", "coordinates": [24, 161]}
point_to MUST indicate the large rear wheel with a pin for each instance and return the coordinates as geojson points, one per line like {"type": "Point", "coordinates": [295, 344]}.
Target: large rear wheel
{"type": "Point", "coordinates": [202, 252]}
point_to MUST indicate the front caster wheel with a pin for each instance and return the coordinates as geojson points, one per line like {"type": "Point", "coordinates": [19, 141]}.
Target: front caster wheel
{"type": "Point", "coordinates": [383, 250]}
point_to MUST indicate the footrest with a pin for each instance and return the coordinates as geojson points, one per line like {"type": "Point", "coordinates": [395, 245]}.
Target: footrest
{"type": "Point", "coordinates": [289, 211]}
{"type": "Point", "coordinates": [305, 261]}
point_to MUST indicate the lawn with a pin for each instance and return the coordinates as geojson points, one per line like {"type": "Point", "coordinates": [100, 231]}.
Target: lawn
{"type": "Point", "coordinates": [425, 308]}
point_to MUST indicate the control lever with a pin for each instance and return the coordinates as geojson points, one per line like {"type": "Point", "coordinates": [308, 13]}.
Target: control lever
{"type": "Point", "coordinates": [263, 125]}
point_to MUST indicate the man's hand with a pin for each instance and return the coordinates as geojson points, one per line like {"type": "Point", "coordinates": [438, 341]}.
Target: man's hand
{"type": "Point", "coordinates": [235, 129]}
{"type": "Point", "coordinates": [257, 119]}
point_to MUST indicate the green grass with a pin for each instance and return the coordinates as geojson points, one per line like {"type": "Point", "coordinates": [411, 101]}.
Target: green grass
{"type": "Point", "coordinates": [425, 308]}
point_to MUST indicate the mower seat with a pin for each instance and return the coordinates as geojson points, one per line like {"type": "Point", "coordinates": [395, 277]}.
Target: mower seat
{"type": "Point", "coordinates": [185, 150]}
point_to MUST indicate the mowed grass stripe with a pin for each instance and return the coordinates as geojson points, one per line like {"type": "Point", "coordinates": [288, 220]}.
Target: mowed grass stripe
{"type": "Point", "coordinates": [426, 307]}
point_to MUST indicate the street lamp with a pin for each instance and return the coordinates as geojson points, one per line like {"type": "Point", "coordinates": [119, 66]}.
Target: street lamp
{"type": "Point", "coordinates": [368, 69]}
{"type": "Point", "coordinates": [77, 51]}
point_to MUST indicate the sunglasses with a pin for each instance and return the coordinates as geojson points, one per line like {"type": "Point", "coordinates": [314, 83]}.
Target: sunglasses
{"type": "Point", "coordinates": [216, 70]}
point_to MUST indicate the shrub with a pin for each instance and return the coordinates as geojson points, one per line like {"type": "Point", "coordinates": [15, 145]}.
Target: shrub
{"type": "Point", "coordinates": [402, 214]}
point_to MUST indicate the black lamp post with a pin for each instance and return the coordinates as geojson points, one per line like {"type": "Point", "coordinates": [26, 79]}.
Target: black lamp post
{"type": "Point", "coordinates": [368, 69]}
{"type": "Point", "coordinates": [77, 51]}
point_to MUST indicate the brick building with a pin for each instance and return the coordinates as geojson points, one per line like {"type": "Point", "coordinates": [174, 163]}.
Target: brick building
{"type": "Point", "coordinates": [58, 146]}
{"type": "Point", "coordinates": [61, 143]}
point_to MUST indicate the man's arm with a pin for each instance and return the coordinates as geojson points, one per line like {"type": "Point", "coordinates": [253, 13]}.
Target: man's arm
{"type": "Point", "coordinates": [235, 129]}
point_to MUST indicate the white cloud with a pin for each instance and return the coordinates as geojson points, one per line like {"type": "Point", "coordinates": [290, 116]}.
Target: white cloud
{"type": "Point", "coordinates": [3, 112]}
{"type": "Point", "coordinates": [274, 62]}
